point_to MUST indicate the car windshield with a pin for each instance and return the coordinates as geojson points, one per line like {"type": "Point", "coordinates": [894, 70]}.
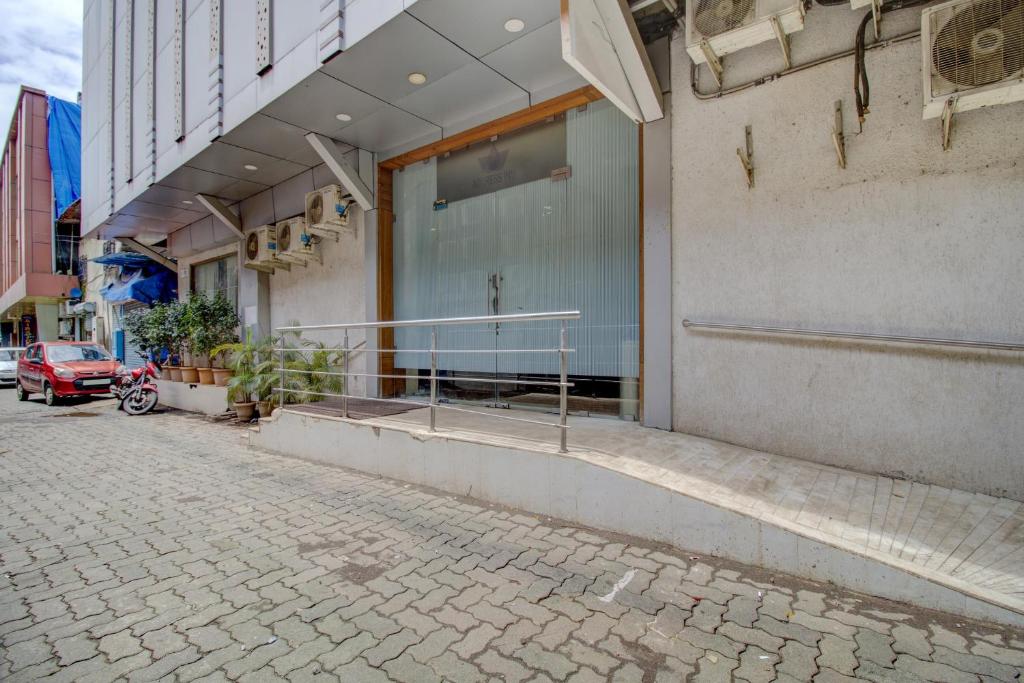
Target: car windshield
{"type": "Point", "coordinates": [63, 354]}
{"type": "Point", "coordinates": [8, 354]}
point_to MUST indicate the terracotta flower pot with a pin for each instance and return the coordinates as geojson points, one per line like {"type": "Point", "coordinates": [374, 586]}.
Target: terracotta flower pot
{"type": "Point", "coordinates": [245, 411]}
{"type": "Point", "coordinates": [173, 373]}
{"type": "Point", "coordinates": [221, 376]}
{"type": "Point", "coordinates": [266, 408]}
{"type": "Point", "coordinates": [189, 375]}
{"type": "Point", "coordinates": [205, 375]}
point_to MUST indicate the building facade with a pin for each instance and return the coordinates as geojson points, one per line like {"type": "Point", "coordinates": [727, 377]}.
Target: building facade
{"type": "Point", "coordinates": [486, 175]}
{"type": "Point", "coordinates": [38, 235]}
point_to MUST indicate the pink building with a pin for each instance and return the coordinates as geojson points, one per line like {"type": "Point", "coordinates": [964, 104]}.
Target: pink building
{"type": "Point", "coordinates": [38, 250]}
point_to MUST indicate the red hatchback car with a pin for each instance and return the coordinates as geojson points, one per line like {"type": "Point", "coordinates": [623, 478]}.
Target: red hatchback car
{"type": "Point", "coordinates": [60, 369]}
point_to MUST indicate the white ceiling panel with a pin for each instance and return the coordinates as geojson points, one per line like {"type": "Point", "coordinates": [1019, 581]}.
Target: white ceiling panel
{"type": "Point", "coordinates": [274, 138]}
{"type": "Point", "coordinates": [478, 26]}
{"type": "Point", "coordinates": [387, 128]}
{"type": "Point", "coordinates": [381, 63]}
{"type": "Point", "coordinates": [315, 103]}
{"type": "Point", "coordinates": [230, 160]}
{"type": "Point", "coordinates": [169, 196]}
{"type": "Point", "coordinates": [461, 94]}
{"type": "Point", "coordinates": [183, 213]}
{"type": "Point", "coordinates": [196, 180]}
{"type": "Point", "coordinates": [534, 62]}
{"type": "Point", "coordinates": [123, 224]}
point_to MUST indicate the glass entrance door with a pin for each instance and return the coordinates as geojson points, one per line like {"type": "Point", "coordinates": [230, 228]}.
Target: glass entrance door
{"type": "Point", "coordinates": [568, 240]}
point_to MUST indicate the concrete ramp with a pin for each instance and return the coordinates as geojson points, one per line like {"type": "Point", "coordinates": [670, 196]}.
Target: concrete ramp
{"type": "Point", "coordinates": [925, 545]}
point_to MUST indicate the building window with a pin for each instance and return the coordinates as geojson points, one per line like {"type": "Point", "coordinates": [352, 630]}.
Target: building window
{"type": "Point", "coordinates": [217, 277]}
{"type": "Point", "coordinates": [66, 248]}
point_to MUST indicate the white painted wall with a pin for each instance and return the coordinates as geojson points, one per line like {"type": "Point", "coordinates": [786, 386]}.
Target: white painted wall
{"type": "Point", "coordinates": [908, 240]}
{"type": "Point", "coordinates": [329, 293]}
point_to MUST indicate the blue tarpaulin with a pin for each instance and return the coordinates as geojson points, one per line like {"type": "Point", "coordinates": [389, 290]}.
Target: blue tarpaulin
{"type": "Point", "coordinates": [142, 280]}
{"type": "Point", "coordinates": [64, 124]}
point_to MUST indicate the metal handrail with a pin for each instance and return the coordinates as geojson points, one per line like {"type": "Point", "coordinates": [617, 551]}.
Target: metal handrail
{"type": "Point", "coordinates": [431, 322]}
{"type": "Point", "coordinates": [862, 336]}
{"type": "Point", "coordinates": [563, 353]}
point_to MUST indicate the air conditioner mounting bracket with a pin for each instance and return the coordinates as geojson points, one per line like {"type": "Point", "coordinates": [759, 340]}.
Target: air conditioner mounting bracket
{"type": "Point", "coordinates": [783, 39]}
{"type": "Point", "coordinates": [714, 61]}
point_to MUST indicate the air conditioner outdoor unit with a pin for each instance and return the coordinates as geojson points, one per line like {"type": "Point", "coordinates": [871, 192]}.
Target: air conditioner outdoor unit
{"type": "Point", "coordinates": [715, 28]}
{"type": "Point", "coordinates": [973, 53]}
{"type": "Point", "coordinates": [261, 250]}
{"type": "Point", "coordinates": [327, 210]}
{"type": "Point", "coordinates": [295, 244]}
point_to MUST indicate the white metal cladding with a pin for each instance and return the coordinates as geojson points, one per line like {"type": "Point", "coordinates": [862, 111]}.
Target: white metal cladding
{"type": "Point", "coordinates": [215, 85]}
{"type": "Point", "coordinates": [331, 32]}
{"type": "Point", "coordinates": [264, 37]}
{"type": "Point", "coordinates": [179, 69]}
{"type": "Point", "coordinates": [111, 29]}
{"type": "Point", "coordinates": [558, 245]}
{"type": "Point", "coordinates": [150, 140]}
{"type": "Point", "coordinates": [128, 51]}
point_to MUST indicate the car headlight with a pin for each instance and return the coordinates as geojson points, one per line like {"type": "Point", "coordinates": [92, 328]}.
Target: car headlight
{"type": "Point", "coordinates": [64, 373]}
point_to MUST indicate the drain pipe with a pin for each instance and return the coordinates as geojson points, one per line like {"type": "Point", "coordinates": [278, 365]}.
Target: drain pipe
{"type": "Point", "coordinates": [816, 62]}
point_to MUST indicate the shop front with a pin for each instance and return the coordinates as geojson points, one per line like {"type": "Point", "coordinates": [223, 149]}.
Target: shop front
{"type": "Point", "coordinates": [540, 215]}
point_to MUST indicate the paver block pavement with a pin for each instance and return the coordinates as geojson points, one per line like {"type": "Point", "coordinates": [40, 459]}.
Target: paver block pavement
{"type": "Point", "coordinates": [198, 558]}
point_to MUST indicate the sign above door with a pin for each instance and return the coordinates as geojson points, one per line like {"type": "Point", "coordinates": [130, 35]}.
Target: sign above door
{"type": "Point", "coordinates": [521, 156]}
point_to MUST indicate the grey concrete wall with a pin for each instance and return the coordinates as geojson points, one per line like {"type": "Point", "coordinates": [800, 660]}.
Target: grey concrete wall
{"type": "Point", "coordinates": [657, 300]}
{"type": "Point", "coordinates": [908, 240]}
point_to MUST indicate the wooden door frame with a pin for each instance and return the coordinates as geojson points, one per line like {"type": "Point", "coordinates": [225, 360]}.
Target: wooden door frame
{"type": "Point", "coordinates": [386, 216]}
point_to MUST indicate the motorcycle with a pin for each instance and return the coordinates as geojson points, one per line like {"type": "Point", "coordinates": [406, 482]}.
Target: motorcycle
{"type": "Point", "coordinates": [136, 393]}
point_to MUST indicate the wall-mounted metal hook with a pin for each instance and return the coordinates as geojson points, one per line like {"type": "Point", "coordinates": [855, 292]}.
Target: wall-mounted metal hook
{"type": "Point", "coordinates": [838, 138]}
{"type": "Point", "coordinates": [747, 158]}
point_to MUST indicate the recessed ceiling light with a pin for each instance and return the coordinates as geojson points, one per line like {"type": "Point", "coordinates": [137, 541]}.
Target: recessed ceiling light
{"type": "Point", "coordinates": [343, 117]}
{"type": "Point", "coordinates": [515, 25]}
{"type": "Point", "coordinates": [186, 201]}
{"type": "Point", "coordinates": [416, 78]}
{"type": "Point", "coordinates": [250, 167]}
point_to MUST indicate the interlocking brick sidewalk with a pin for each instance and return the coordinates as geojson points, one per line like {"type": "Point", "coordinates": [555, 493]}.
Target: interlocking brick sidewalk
{"type": "Point", "coordinates": [161, 547]}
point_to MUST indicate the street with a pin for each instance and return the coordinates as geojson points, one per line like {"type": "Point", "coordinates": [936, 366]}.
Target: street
{"type": "Point", "coordinates": [162, 547]}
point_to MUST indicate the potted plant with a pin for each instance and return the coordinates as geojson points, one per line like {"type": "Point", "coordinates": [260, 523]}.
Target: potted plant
{"type": "Point", "coordinates": [213, 323]}
{"type": "Point", "coordinates": [254, 375]}
{"type": "Point", "coordinates": [183, 334]}
{"type": "Point", "coordinates": [176, 333]}
{"type": "Point", "coordinates": [147, 328]}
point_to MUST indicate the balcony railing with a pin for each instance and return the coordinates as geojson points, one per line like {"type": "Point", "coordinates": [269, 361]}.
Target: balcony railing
{"type": "Point", "coordinates": [346, 351]}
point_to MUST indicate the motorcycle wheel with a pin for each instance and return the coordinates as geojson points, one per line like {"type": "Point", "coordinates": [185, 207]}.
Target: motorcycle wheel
{"type": "Point", "coordinates": [140, 402]}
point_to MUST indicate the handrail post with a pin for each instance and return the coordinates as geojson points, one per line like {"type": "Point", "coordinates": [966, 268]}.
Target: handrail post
{"type": "Point", "coordinates": [282, 373]}
{"type": "Point", "coordinates": [344, 380]}
{"type": "Point", "coordinates": [563, 398]}
{"type": "Point", "coordinates": [433, 378]}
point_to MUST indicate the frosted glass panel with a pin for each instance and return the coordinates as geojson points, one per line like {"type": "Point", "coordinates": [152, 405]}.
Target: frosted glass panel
{"type": "Point", "coordinates": [553, 245]}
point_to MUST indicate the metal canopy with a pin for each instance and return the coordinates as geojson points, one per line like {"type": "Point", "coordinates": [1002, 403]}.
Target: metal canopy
{"type": "Point", "coordinates": [476, 71]}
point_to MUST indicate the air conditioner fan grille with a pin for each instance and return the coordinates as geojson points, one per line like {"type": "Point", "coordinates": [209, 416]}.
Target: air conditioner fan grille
{"type": "Point", "coordinates": [713, 17]}
{"type": "Point", "coordinates": [252, 246]}
{"type": "Point", "coordinates": [316, 208]}
{"type": "Point", "coordinates": [284, 237]}
{"type": "Point", "coordinates": [976, 45]}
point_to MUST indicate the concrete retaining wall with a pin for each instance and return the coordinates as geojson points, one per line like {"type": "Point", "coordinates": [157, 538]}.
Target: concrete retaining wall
{"type": "Point", "coordinates": [548, 483]}
{"type": "Point", "coordinates": [195, 398]}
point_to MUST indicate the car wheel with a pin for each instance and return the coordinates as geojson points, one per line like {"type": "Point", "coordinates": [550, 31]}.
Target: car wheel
{"type": "Point", "coordinates": [20, 392]}
{"type": "Point", "coordinates": [50, 395]}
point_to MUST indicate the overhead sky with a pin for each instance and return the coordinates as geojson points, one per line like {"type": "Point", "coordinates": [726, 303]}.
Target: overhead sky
{"type": "Point", "coordinates": [40, 46]}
